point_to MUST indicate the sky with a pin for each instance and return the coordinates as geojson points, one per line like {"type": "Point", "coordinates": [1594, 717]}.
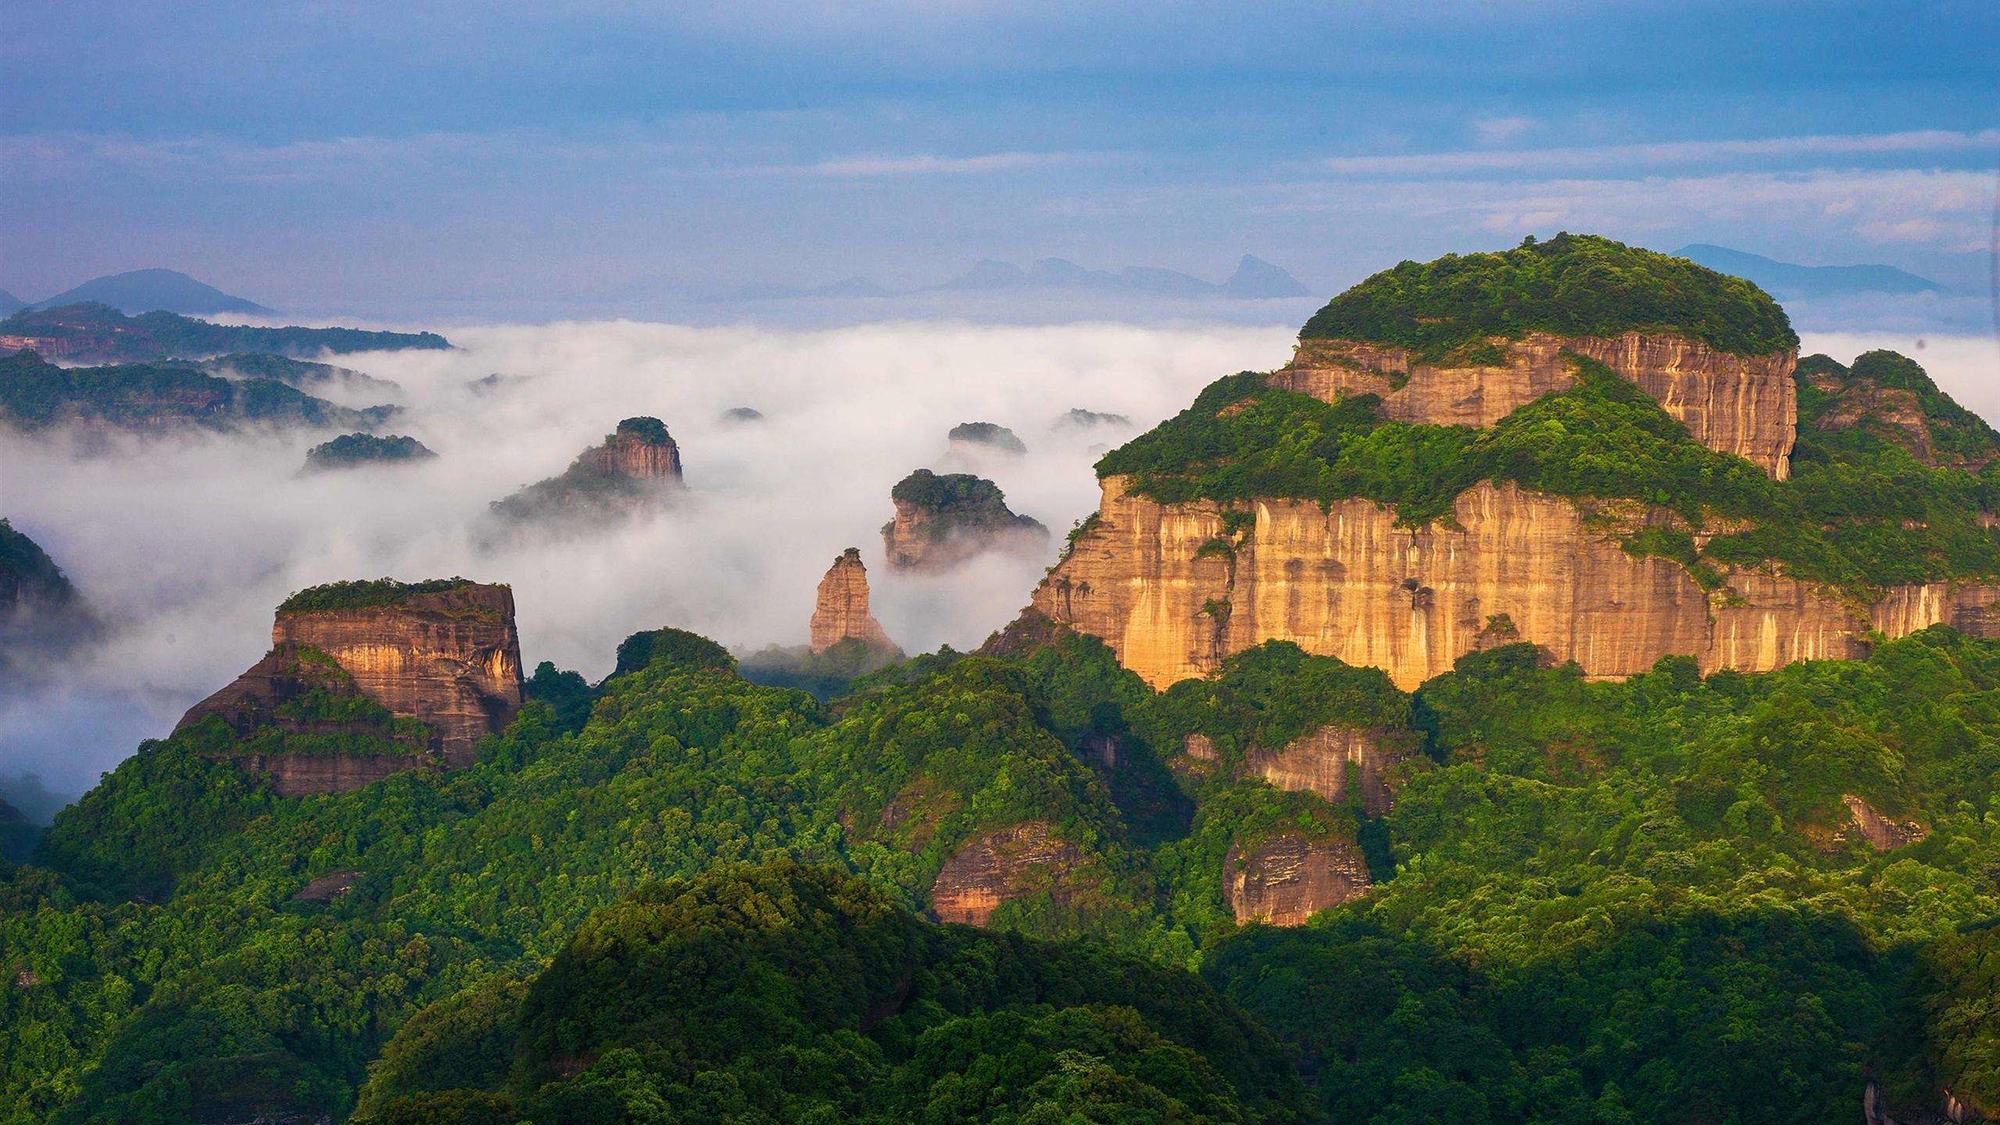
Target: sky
{"type": "Point", "coordinates": [458, 162]}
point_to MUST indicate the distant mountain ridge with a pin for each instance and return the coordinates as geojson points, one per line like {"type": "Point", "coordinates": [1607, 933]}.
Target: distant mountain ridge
{"type": "Point", "coordinates": [1254, 279]}
{"type": "Point", "coordinates": [150, 290]}
{"type": "Point", "coordinates": [1789, 279]}
{"type": "Point", "coordinates": [95, 333]}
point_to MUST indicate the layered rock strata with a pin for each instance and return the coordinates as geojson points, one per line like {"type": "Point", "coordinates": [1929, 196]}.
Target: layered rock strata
{"type": "Point", "coordinates": [1348, 582]}
{"type": "Point", "coordinates": [998, 866]}
{"type": "Point", "coordinates": [637, 466]}
{"type": "Point", "coordinates": [1285, 879]}
{"type": "Point", "coordinates": [448, 658]}
{"type": "Point", "coordinates": [840, 613]}
{"type": "Point", "coordinates": [1745, 405]}
{"type": "Point", "coordinates": [1334, 762]}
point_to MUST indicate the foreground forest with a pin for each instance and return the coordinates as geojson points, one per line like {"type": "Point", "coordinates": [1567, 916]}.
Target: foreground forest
{"type": "Point", "coordinates": [1593, 902]}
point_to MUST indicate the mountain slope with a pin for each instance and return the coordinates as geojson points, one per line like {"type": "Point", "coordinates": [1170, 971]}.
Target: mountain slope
{"type": "Point", "coordinates": [152, 290]}
{"type": "Point", "coordinates": [94, 333]}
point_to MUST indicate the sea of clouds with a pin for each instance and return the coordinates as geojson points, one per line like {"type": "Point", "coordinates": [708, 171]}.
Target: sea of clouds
{"type": "Point", "coordinates": [184, 545]}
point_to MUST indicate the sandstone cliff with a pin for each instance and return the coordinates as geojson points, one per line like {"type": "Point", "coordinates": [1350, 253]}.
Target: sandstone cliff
{"type": "Point", "coordinates": [1287, 878]}
{"type": "Point", "coordinates": [1000, 865]}
{"type": "Point", "coordinates": [1745, 405]}
{"type": "Point", "coordinates": [444, 654]}
{"type": "Point", "coordinates": [944, 520]}
{"type": "Point", "coordinates": [840, 613]}
{"type": "Point", "coordinates": [636, 466]}
{"type": "Point", "coordinates": [1349, 582]}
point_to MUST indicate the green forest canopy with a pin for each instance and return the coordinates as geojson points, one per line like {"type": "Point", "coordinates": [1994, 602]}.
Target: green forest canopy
{"type": "Point", "coordinates": [1570, 285]}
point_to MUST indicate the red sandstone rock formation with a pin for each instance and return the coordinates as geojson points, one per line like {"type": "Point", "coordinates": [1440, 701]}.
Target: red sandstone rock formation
{"type": "Point", "coordinates": [998, 866]}
{"type": "Point", "coordinates": [841, 611]}
{"type": "Point", "coordinates": [636, 466]}
{"type": "Point", "coordinates": [448, 657]}
{"type": "Point", "coordinates": [1286, 879]}
{"type": "Point", "coordinates": [1881, 833]}
{"type": "Point", "coordinates": [1322, 761]}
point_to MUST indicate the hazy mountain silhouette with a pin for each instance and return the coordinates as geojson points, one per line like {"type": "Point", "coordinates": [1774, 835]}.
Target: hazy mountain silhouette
{"type": "Point", "coordinates": [153, 290]}
{"type": "Point", "coordinates": [1789, 279]}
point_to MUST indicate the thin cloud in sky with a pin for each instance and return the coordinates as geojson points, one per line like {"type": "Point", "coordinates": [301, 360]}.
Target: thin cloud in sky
{"type": "Point", "coordinates": [1667, 152]}
{"type": "Point", "coordinates": [923, 164]}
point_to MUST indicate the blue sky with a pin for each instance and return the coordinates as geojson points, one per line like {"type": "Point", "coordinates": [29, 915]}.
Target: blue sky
{"type": "Point", "coordinates": [498, 158]}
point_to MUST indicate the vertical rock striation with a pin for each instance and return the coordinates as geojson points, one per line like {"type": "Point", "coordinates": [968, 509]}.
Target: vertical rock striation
{"type": "Point", "coordinates": [1745, 405]}
{"type": "Point", "coordinates": [444, 654]}
{"type": "Point", "coordinates": [1349, 582]}
{"type": "Point", "coordinates": [1000, 865]}
{"type": "Point", "coordinates": [840, 613]}
{"type": "Point", "coordinates": [1286, 879]}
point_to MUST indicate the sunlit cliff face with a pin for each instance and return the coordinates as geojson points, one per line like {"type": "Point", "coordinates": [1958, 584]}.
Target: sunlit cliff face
{"type": "Point", "coordinates": [187, 544]}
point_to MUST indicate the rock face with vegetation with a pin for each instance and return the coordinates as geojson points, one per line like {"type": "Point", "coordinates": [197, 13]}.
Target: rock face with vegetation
{"type": "Point", "coordinates": [93, 333]}
{"type": "Point", "coordinates": [944, 520]}
{"type": "Point", "coordinates": [638, 465]}
{"type": "Point", "coordinates": [373, 677]}
{"type": "Point", "coordinates": [840, 611]}
{"type": "Point", "coordinates": [353, 451]}
{"type": "Point", "coordinates": [41, 613]}
{"type": "Point", "coordinates": [1613, 488]}
{"type": "Point", "coordinates": [159, 398]}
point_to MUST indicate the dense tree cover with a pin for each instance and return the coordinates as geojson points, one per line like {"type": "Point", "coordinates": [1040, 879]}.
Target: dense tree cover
{"type": "Point", "coordinates": [959, 501]}
{"type": "Point", "coordinates": [1600, 901]}
{"type": "Point", "coordinates": [99, 333]}
{"type": "Point", "coordinates": [18, 835]}
{"type": "Point", "coordinates": [349, 450]}
{"type": "Point", "coordinates": [987, 433]}
{"type": "Point", "coordinates": [1858, 511]}
{"type": "Point", "coordinates": [1571, 285]}
{"type": "Point", "coordinates": [35, 394]}
{"type": "Point", "coordinates": [826, 674]}
{"type": "Point", "coordinates": [28, 574]}
{"type": "Point", "coordinates": [789, 993]}
{"type": "Point", "coordinates": [1956, 1012]}
{"type": "Point", "coordinates": [1956, 434]}
{"type": "Point", "coordinates": [365, 593]}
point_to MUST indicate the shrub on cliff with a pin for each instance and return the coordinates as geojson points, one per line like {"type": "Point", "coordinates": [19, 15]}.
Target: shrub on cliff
{"type": "Point", "coordinates": [365, 593]}
{"type": "Point", "coordinates": [1570, 285]}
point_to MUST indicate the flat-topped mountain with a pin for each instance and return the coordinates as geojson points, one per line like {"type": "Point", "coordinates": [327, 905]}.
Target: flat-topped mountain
{"type": "Point", "coordinates": [159, 397]}
{"type": "Point", "coordinates": [637, 465]}
{"type": "Point", "coordinates": [944, 519]}
{"type": "Point", "coordinates": [382, 675]}
{"type": "Point", "coordinates": [353, 451]}
{"type": "Point", "coordinates": [1576, 443]}
{"type": "Point", "coordinates": [95, 333]}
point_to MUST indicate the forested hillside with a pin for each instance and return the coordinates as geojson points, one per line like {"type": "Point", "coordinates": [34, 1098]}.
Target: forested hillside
{"type": "Point", "coordinates": [1646, 900]}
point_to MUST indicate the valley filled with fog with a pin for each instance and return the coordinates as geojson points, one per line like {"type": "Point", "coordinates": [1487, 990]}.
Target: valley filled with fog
{"type": "Point", "coordinates": [186, 544]}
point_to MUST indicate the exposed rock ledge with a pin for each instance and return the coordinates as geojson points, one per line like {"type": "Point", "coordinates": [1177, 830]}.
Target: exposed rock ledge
{"type": "Point", "coordinates": [1746, 405]}
{"type": "Point", "coordinates": [1000, 865]}
{"type": "Point", "coordinates": [1286, 879]}
{"type": "Point", "coordinates": [1350, 583]}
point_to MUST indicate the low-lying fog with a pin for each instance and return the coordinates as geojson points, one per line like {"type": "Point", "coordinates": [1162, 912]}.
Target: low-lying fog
{"type": "Point", "coordinates": [185, 545]}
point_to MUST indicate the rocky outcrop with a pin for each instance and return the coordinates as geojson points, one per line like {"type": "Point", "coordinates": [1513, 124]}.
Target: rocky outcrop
{"type": "Point", "coordinates": [998, 866]}
{"type": "Point", "coordinates": [1349, 582]}
{"type": "Point", "coordinates": [312, 775]}
{"type": "Point", "coordinates": [1891, 397]}
{"type": "Point", "coordinates": [840, 613]}
{"type": "Point", "coordinates": [1880, 832]}
{"type": "Point", "coordinates": [353, 658]}
{"type": "Point", "coordinates": [639, 449]}
{"type": "Point", "coordinates": [1287, 878]}
{"type": "Point", "coordinates": [1330, 762]}
{"type": "Point", "coordinates": [1746, 405]}
{"type": "Point", "coordinates": [638, 465]}
{"type": "Point", "coordinates": [944, 520]}
{"type": "Point", "coordinates": [983, 437]}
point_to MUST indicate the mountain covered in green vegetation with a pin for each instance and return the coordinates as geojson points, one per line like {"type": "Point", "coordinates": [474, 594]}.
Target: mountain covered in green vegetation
{"type": "Point", "coordinates": [1569, 285]}
{"type": "Point", "coordinates": [349, 451]}
{"type": "Point", "coordinates": [1628, 901]}
{"type": "Point", "coordinates": [95, 333]}
{"type": "Point", "coordinates": [159, 397]}
{"type": "Point", "coordinates": [1032, 884]}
